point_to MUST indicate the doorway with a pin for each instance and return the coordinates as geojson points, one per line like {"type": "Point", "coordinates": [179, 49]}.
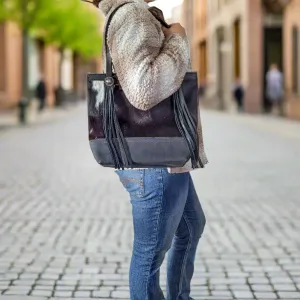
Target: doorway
{"type": "Point", "coordinates": [273, 54]}
{"type": "Point", "coordinates": [203, 61]}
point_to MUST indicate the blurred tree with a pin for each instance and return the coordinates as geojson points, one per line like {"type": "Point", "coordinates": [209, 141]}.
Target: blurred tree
{"type": "Point", "coordinates": [25, 14]}
{"type": "Point", "coordinates": [74, 27]}
{"type": "Point", "coordinates": [2, 11]}
{"type": "Point", "coordinates": [69, 24]}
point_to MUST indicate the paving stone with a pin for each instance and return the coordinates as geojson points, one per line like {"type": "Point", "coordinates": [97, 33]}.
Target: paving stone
{"type": "Point", "coordinates": [289, 295]}
{"type": "Point", "coordinates": [83, 294]}
{"type": "Point", "coordinates": [17, 292]}
{"type": "Point", "coordinates": [65, 287]}
{"type": "Point", "coordinates": [262, 288]}
{"type": "Point", "coordinates": [101, 294]}
{"type": "Point", "coordinates": [41, 293]}
{"type": "Point", "coordinates": [45, 282]}
{"type": "Point", "coordinates": [44, 287]}
{"type": "Point", "coordinates": [243, 295]}
{"type": "Point", "coordinates": [285, 287]}
{"type": "Point", "coordinates": [221, 293]}
{"type": "Point", "coordinates": [120, 295]}
{"type": "Point", "coordinates": [5, 297]}
{"type": "Point", "coordinates": [28, 276]}
{"type": "Point", "coordinates": [63, 294]}
{"type": "Point", "coordinates": [265, 295]}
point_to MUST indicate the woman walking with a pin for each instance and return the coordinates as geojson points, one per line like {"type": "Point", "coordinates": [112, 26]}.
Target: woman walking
{"type": "Point", "coordinates": [151, 62]}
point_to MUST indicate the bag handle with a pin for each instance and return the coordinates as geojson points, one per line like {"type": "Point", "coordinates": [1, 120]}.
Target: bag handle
{"type": "Point", "coordinates": [109, 81]}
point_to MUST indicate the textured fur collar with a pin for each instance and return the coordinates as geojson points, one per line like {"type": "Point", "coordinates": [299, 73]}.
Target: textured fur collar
{"type": "Point", "coordinates": [107, 5]}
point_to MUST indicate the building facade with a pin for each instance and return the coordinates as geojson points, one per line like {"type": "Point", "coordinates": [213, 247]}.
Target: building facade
{"type": "Point", "coordinates": [194, 19]}
{"type": "Point", "coordinates": [10, 62]}
{"type": "Point", "coordinates": [235, 37]}
{"type": "Point", "coordinates": [42, 60]}
{"type": "Point", "coordinates": [238, 39]}
{"type": "Point", "coordinates": [292, 58]}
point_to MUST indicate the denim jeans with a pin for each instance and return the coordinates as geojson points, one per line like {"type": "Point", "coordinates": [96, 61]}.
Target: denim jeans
{"type": "Point", "coordinates": [167, 216]}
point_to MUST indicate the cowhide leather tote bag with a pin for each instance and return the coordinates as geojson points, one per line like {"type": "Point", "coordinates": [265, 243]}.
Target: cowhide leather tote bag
{"type": "Point", "coordinates": [122, 136]}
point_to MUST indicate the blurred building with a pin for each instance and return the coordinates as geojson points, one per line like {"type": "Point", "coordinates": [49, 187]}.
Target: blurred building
{"type": "Point", "coordinates": [245, 38]}
{"type": "Point", "coordinates": [292, 58]}
{"type": "Point", "coordinates": [10, 64]}
{"type": "Point", "coordinates": [42, 59]}
{"type": "Point", "coordinates": [188, 19]}
{"type": "Point", "coordinates": [233, 39]}
{"type": "Point", "coordinates": [194, 17]}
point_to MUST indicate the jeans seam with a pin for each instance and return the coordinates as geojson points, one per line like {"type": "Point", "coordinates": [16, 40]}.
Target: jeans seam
{"type": "Point", "coordinates": [157, 231]}
{"type": "Point", "coordinates": [185, 256]}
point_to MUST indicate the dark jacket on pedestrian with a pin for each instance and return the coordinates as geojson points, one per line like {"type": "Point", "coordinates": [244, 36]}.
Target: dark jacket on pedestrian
{"type": "Point", "coordinates": [41, 90]}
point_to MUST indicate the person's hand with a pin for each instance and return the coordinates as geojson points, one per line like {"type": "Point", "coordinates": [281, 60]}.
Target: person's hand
{"type": "Point", "coordinates": [175, 28]}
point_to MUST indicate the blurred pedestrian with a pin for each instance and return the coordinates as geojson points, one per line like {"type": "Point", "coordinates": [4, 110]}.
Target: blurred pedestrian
{"type": "Point", "coordinates": [151, 62]}
{"type": "Point", "coordinates": [275, 89]}
{"type": "Point", "coordinates": [238, 92]}
{"type": "Point", "coordinates": [41, 93]}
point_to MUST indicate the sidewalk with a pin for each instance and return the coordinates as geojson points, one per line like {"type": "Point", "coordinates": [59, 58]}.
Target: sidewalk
{"type": "Point", "coordinates": [10, 119]}
{"type": "Point", "coordinates": [271, 123]}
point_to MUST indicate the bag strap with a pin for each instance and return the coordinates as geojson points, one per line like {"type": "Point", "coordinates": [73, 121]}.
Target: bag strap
{"type": "Point", "coordinates": [109, 65]}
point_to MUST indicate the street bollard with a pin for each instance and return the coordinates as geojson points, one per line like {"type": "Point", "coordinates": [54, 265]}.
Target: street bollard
{"type": "Point", "coordinates": [23, 105]}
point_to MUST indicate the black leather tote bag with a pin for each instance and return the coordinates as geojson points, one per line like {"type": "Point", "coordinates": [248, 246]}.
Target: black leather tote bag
{"type": "Point", "coordinates": [122, 136]}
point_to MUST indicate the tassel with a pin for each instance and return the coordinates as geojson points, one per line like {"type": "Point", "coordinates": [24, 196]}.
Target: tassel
{"type": "Point", "coordinates": [187, 127]}
{"type": "Point", "coordinates": [107, 129]}
{"type": "Point", "coordinates": [115, 140]}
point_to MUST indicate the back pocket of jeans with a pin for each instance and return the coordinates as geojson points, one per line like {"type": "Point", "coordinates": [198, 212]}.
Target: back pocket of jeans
{"type": "Point", "coordinates": [133, 181]}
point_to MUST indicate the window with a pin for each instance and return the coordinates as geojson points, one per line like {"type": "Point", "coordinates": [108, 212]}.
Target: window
{"type": "Point", "coordinates": [295, 61]}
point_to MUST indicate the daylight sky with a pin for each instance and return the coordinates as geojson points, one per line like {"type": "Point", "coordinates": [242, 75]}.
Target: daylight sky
{"type": "Point", "coordinates": [166, 6]}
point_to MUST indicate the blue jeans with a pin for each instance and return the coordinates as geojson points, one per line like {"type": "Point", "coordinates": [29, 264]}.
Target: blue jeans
{"type": "Point", "coordinates": [167, 216]}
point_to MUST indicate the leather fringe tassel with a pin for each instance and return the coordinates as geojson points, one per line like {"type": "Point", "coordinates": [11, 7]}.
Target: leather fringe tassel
{"type": "Point", "coordinates": [115, 140]}
{"type": "Point", "coordinates": [187, 127]}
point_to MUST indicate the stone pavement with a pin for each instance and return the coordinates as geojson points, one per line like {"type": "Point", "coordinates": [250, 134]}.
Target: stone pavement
{"type": "Point", "coordinates": [65, 223]}
{"type": "Point", "coordinates": [10, 119]}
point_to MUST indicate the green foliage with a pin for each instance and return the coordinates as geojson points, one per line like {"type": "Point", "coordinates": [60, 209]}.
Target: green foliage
{"type": "Point", "coordinates": [2, 11]}
{"type": "Point", "coordinates": [68, 24]}
{"type": "Point", "coordinates": [76, 27]}
{"type": "Point", "coordinates": [24, 12]}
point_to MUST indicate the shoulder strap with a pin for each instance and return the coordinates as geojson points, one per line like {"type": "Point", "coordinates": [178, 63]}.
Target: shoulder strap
{"type": "Point", "coordinates": [109, 68]}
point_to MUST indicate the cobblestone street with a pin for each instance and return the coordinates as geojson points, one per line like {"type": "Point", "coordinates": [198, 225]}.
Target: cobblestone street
{"type": "Point", "coordinates": [65, 222]}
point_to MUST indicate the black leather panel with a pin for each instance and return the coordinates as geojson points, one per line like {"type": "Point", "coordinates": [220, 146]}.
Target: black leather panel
{"type": "Point", "coordinates": [146, 152]}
